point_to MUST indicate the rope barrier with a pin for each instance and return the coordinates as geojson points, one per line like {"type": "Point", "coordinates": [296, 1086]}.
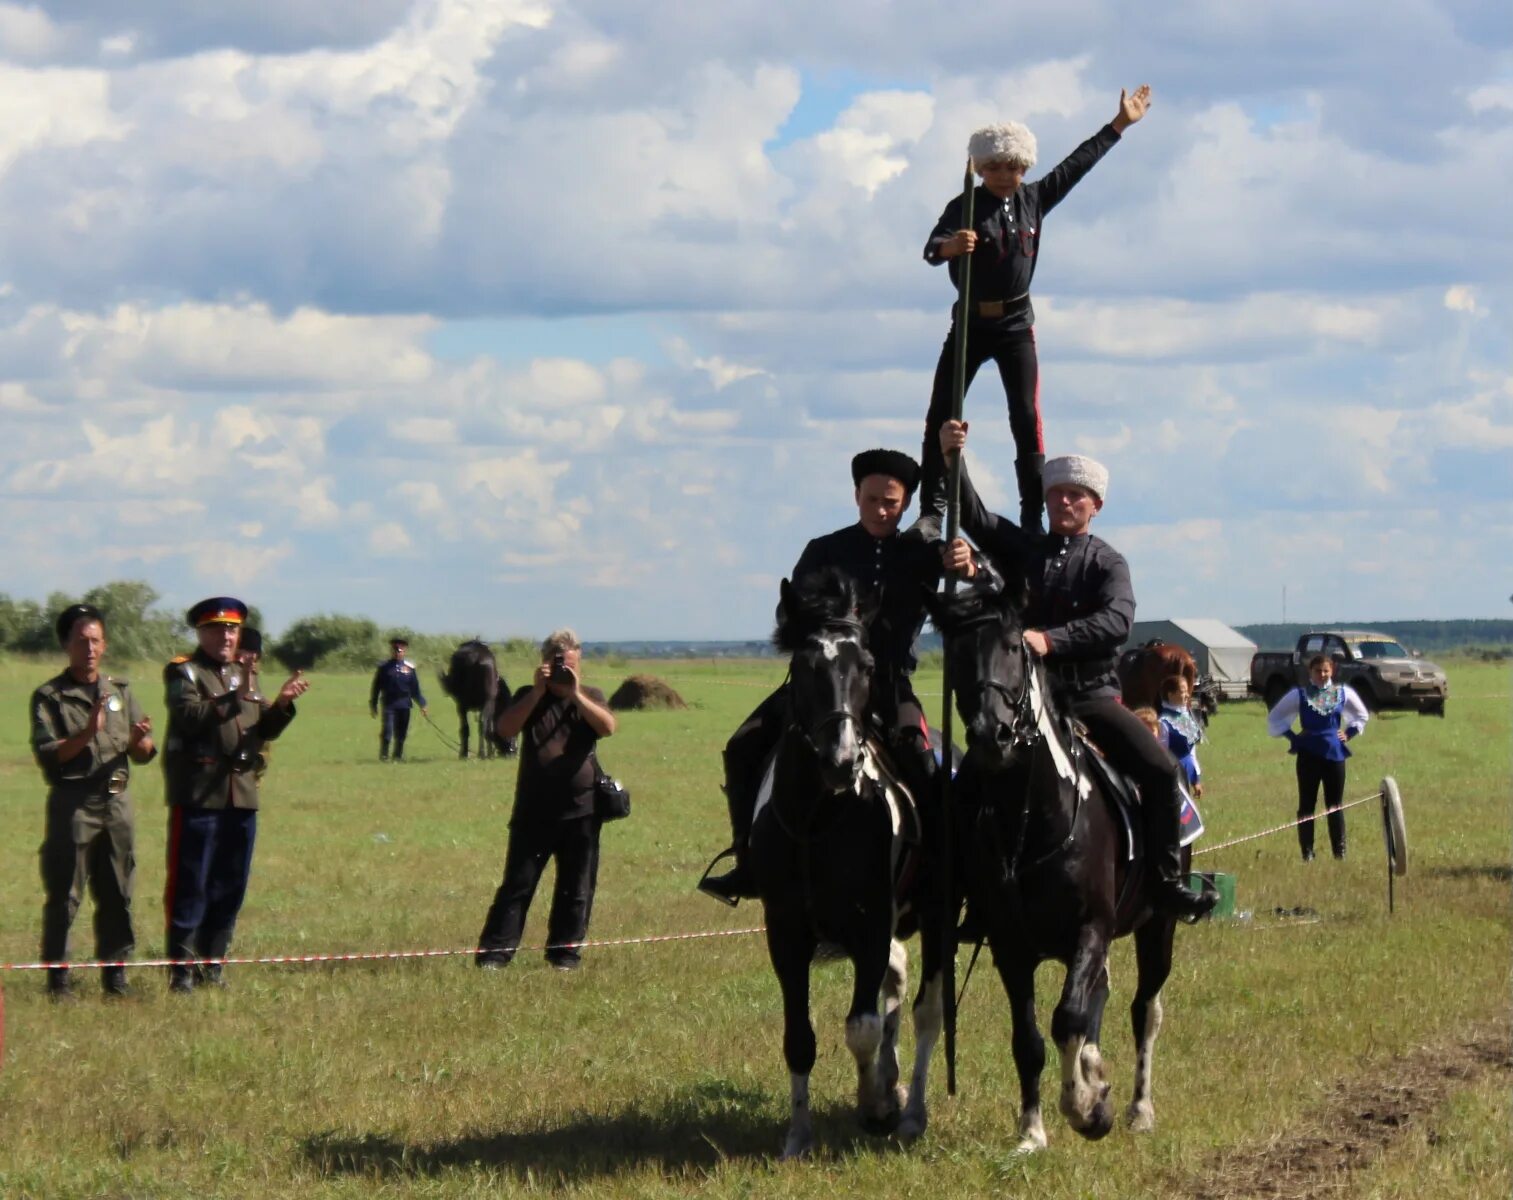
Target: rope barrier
{"type": "Point", "coordinates": [1250, 837]}
{"type": "Point", "coordinates": [374, 955]}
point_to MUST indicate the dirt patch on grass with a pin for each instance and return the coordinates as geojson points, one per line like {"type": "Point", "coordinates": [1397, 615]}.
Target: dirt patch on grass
{"type": "Point", "coordinates": [1358, 1122]}
{"type": "Point", "coordinates": [645, 692]}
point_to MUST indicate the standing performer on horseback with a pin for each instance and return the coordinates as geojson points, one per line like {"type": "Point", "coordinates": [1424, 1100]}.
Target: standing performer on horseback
{"type": "Point", "coordinates": [1002, 240]}
{"type": "Point", "coordinates": [892, 573]}
{"type": "Point", "coordinates": [1081, 607]}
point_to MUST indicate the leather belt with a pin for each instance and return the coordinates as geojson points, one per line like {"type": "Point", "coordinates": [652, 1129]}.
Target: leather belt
{"type": "Point", "coordinates": [993, 309]}
{"type": "Point", "coordinates": [110, 783]}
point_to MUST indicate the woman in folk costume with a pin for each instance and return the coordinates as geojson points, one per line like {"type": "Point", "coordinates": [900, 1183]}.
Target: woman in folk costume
{"type": "Point", "coordinates": [1330, 714]}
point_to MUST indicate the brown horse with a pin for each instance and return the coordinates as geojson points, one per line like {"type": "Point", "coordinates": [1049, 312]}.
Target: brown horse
{"type": "Point", "coordinates": [1142, 670]}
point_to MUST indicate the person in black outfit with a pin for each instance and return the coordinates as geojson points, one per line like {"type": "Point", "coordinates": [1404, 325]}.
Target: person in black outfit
{"type": "Point", "coordinates": [1005, 245]}
{"type": "Point", "coordinates": [1081, 607]}
{"type": "Point", "coordinates": [397, 683]}
{"type": "Point", "coordinates": [891, 571]}
{"type": "Point", "coordinates": [559, 720]}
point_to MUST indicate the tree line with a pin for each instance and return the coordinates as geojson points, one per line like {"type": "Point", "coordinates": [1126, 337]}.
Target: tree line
{"type": "Point", "coordinates": [140, 631]}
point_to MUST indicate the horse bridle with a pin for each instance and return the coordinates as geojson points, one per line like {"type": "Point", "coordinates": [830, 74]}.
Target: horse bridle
{"type": "Point", "coordinates": [810, 733]}
{"type": "Point", "coordinates": [1022, 725]}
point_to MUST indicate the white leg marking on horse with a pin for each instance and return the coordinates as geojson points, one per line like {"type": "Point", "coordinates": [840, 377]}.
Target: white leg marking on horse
{"type": "Point", "coordinates": [800, 1125]}
{"type": "Point", "coordinates": [895, 986]}
{"type": "Point", "coordinates": [1031, 1131]}
{"type": "Point", "coordinates": [864, 1036]}
{"type": "Point", "coordinates": [1141, 1114]}
{"type": "Point", "coordinates": [1077, 1094]}
{"type": "Point", "coordinates": [929, 1016]}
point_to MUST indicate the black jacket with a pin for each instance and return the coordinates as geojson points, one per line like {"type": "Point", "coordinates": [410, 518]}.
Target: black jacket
{"type": "Point", "coordinates": [893, 572]}
{"type": "Point", "coordinates": [1079, 593]}
{"type": "Point", "coordinates": [1008, 231]}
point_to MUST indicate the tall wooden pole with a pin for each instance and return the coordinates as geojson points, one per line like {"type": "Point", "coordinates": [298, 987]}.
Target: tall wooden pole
{"type": "Point", "coordinates": [953, 526]}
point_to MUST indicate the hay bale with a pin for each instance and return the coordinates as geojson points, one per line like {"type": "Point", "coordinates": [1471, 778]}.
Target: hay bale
{"type": "Point", "coordinates": [641, 692]}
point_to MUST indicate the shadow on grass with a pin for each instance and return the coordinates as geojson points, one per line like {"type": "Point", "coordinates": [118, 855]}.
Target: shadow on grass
{"type": "Point", "coordinates": [691, 1131]}
{"type": "Point", "coordinates": [1497, 872]}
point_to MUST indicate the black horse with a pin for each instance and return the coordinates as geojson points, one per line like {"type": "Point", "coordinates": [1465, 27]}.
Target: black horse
{"type": "Point", "coordinates": [832, 842]}
{"type": "Point", "coordinates": [1046, 864]}
{"type": "Point", "coordinates": [475, 684]}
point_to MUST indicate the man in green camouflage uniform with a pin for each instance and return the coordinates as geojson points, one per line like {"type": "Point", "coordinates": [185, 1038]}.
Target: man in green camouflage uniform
{"type": "Point", "coordinates": [86, 731]}
{"type": "Point", "coordinates": [218, 724]}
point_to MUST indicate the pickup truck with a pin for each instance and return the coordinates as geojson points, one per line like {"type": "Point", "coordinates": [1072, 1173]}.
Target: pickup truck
{"type": "Point", "coordinates": [1383, 673]}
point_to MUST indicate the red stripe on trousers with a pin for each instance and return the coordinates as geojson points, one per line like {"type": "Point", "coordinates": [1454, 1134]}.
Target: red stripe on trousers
{"type": "Point", "coordinates": [1039, 429]}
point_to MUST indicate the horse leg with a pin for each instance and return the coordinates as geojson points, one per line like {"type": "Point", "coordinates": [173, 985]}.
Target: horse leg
{"type": "Point", "coordinates": [1084, 1089]}
{"type": "Point", "coordinates": [929, 1015]}
{"type": "Point", "coordinates": [1153, 958]}
{"type": "Point", "coordinates": [895, 984]}
{"type": "Point", "coordinates": [876, 1104]}
{"type": "Point", "coordinates": [462, 724]}
{"type": "Point", "coordinates": [790, 946]}
{"type": "Point", "coordinates": [1018, 975]}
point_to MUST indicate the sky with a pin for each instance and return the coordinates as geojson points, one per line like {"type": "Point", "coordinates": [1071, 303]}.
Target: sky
{"type": "Point", "coordinates": [495, 317]}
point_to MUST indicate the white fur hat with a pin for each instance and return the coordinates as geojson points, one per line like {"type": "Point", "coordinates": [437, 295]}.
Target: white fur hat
{"type": "Point", "coordinates": [1076, 471]}
{"type": "Point", "coordinates": [1010, 142]}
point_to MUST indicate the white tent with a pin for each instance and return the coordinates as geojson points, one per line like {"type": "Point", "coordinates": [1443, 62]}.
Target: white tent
{"type": "Point", "coordinates": [1219, 651]}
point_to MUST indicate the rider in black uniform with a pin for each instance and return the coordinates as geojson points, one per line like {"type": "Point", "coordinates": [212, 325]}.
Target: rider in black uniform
{"type": "Point", "coordinates": [891, 571]}
{"type": "Point", "coordinates": [1081, 607]}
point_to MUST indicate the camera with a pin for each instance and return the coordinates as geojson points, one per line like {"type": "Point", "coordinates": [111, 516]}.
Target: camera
{"type": "Point", "coordinates": [560, 673]}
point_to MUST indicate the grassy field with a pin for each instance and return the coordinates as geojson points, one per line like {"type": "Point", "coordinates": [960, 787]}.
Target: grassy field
{"type": "Point", "coordinates": [1356, 1054]}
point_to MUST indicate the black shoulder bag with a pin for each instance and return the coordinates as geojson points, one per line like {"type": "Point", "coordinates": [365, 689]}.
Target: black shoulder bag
{"type": "Point", "coordinates": [611, 797]}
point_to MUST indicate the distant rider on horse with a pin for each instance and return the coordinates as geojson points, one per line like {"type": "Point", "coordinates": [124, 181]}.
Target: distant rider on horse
{"type": "Point", "coordinates": [892, 574]}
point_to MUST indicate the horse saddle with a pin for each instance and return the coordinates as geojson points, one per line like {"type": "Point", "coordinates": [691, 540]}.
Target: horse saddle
{"type": "Point", "coordinates": [879, 773]}
{"type": "Point", "coordinates": [1124, 796]}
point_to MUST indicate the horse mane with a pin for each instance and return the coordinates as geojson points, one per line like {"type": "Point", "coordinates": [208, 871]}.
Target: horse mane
{"type": "Point", "coordinates": [987, 594]}
{"type": "Point", "coordinates": [824, 597]}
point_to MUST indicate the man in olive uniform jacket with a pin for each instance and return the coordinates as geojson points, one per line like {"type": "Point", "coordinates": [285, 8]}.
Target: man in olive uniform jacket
{"type": "Point", "coordinates": [86, 731]}
{"type": "Point", "coordinates": [217, 725]}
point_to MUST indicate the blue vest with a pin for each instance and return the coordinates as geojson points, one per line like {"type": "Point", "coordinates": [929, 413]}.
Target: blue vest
{"type": "Point", "coordinates": [1321, 731]}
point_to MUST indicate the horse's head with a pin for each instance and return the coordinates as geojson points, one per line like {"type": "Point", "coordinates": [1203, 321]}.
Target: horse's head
{"type": "Point", "coordinates": [830, 672]}
{"type": "Point", "coordinates": [981, 627]}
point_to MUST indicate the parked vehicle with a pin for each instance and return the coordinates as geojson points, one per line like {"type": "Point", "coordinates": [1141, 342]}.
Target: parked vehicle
{"type": "Point", "coordinates": [1382, 671]}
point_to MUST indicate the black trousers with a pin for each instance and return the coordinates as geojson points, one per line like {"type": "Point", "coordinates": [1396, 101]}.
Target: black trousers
{"type": "Point", "coordinates": [1019, 368]}
{"type": "Point", "coordinates": [396, 727]}
{"type": "Point", "coordinates": [1131, 747]}
{"type": "Point", "coordinates": [1313, 771]}
{"type": "Point", "coordinates": [575, 846]}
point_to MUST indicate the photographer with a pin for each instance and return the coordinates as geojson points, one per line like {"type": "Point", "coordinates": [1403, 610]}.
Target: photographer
{"type": "Point", "coordinates": [559, 721]}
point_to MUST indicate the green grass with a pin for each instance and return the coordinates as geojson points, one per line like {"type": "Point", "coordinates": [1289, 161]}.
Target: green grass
{"type": "Point", "coordinates": [657, 1070]}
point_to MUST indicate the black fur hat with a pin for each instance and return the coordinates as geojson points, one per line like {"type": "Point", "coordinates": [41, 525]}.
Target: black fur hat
{"type": "Point", "coordinates": [893, 463]}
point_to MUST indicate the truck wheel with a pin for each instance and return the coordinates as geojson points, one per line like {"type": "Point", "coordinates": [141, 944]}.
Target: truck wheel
{"type": "Point", "coordinates": [1275, 690]}
{"type": "Point", "coordinates": [1368, 697]}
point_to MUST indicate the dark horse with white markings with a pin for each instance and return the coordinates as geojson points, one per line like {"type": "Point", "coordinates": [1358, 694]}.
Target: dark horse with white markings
{"type": "Point", "coordinates": [475, 684]}
{"type": "Point", "coordinates": [1046, 864]}
{"type": "Point", "coordinates": [834, 848]}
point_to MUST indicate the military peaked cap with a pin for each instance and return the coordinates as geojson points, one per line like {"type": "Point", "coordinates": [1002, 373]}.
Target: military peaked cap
{"type": "Point", "coordinates": [217, 610]}
{"type": "Point", "coordinates": [893, 463]}
{"type": "Point", "coordinates": [71, 616]}
{"type": "Point", "coordinates": [399, 641]}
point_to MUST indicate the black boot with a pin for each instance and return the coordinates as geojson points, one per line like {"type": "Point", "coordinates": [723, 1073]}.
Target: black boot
{"type": "Point", "coordinates": [181, 979]}
{"type": "Point", "coordinates": [930, 525]}
{"type": "Point", "coordinates": [1163, 825]}
{"type": "Point", "coordinates": [1305, 837]}
{"type": "Point", "coordinates": [1031, 493]}
{"type": "Point", "coordinates": [383, 750]}
{"type": "Point", "coordinates": [738, 883]}
{"type": "Point", "coordinates": [1337, 833]}
{"type": "Point", "coordinates": [113, 980]}
{"type": "Point", "coordinates": [60, 988]}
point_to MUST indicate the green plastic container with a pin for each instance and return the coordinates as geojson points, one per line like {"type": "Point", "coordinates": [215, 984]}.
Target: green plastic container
{"type": "Point", "coordinates": [1223, 883]}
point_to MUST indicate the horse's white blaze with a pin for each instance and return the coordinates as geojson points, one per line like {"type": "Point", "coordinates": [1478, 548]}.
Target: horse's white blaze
{"type": "Point", "coordinates": [928, 1019]}
{"type": "Point", "coordinates": [1031, 1131]}
{"type": "Point", "coordinates": [830, 647]}
{"type": "Point", "coordinates": [801, 1125]}
{"type": "Point", "coordinates": [1141, 1113]}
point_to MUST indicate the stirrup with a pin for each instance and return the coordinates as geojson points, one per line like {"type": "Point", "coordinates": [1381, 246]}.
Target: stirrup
{"type": "Point", "coordinates": [1207, 896]}
{"type": "Point", "coordinates": [705, 884]}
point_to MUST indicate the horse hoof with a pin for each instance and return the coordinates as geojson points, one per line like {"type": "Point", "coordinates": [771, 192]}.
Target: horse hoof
{"type": "Point", "coordinates": [881, 1124]}
{"type": "Point", "coordinates": [797, 1148]}
{"type": "Point", "coordinates": [1026, 1146]}
{"type": "Point", "coordinates": [1099, 1121]}
{"type": "Point", "coordinates": [912, 1126]}
{"type": "Point", "coordinates": [1141, 1118]}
